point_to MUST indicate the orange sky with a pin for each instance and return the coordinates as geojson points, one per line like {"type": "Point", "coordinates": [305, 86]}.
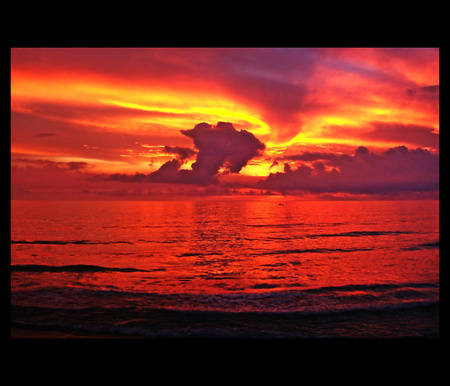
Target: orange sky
{"type": "Point", "coordinates": [89, 112]}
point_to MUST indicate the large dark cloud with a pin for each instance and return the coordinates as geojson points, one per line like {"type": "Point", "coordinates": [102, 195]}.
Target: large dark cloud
{"type": "Point", "coordinates": [219, 147]}
{"type": "Point", "coordinates": [397, 170]}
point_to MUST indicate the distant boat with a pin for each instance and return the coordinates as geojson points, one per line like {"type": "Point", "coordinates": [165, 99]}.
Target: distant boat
{"type": "Point", "coordinates": [280, 204]}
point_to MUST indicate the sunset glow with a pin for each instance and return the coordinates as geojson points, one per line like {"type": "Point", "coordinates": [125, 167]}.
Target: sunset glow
{"type": "Point", "coordinates": [225, 192]}
{"type": "Point", "coordinates": [105, 119]}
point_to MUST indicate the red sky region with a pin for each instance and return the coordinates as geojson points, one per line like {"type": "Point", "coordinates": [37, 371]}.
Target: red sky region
{"type": "Point", "coordinates": [144, 123]}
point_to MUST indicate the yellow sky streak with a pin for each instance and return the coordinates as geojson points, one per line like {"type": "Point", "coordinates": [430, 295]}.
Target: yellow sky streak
{"type": "Point", "coordinates": [218, 113]}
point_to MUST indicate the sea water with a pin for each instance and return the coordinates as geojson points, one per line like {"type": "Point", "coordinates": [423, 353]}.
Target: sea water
{"type": "Point", "coordinates": [266, 267]}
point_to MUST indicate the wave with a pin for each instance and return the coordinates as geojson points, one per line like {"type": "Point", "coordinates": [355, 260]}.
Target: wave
{"type": "Point", "coordinates": [71, 268]}
{"type": "Point", "coordinates": [309, 300]}
{"type": "Point", "coordinates": [288, 225]}
{"type": "Point", "coordinates": [372, 287]}
{"type": "Point", "coordinates": [139, 308]}
{"type": "Point", "coordinates": [419, 318]}
{"type": "Point", "coordinates": [359, 234]}
{"type": "Point", "coordinates": [430, 245]}
{"type": "Point", "coordinates": [313, 250]}
{"type": "Point", "coordinates": [192, 254]}
{"type": "Point", "coordinates": [307, 236]}
{"type": "Point", "coordinates": [65, 242]}
{"type": "Point", "coordinates": [342, 234]}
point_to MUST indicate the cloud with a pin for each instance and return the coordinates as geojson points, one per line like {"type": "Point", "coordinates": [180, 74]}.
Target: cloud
{"type": "Point", "coordinates": [274, 163]}
{"type": "Point", "coordinates": [425, 93]}
{"type": "Point", "coordinates": [45, 134]}
{"type": "Point", "coordinates": [398, 132]}
{"type": "Point", "coordinates": [169, 172]}
{"type": "Point", "coordinates": [219, 147]}
{"type": "Point", "coordinates": [48, 164]}
{"type": "Point", "coordinates": [42, 178]}
{"type": "Point", "coordinates": [183, 153]}
{"type": "Point", "coordinates": [222, 144]}
{"type": "Point", "coordinates": [314, 156]}
{"type": "Point", "coordinates": [121, 177]}
{"type": "Point", "coordinates": [396, 170]}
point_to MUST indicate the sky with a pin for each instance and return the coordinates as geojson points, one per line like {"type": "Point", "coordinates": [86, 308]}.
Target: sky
{"type": "Point", "coordinates": [155, 123]}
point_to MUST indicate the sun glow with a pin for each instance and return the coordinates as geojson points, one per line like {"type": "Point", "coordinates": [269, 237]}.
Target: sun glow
{"type": "Point", "coordinates": [119, 110]}
{"type": "Point", "coordinates": [339, 120]}
{"type": "Point", "coordinates": [198, 111]}
{"type": "Point", "coordinates": [163, 105]}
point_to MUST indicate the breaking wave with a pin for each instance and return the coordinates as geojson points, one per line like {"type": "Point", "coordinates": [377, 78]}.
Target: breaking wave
{"type": "Point", "coordinates": [367, 310]}
{"type": "Point", "coordinates": [320, 299]}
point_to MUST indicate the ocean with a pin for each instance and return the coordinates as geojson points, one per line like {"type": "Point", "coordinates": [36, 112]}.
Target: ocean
{"type": "Point", "coordinates": [266, 267]}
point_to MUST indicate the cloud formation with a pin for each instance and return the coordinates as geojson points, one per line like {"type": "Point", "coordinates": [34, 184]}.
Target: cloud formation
{"type": "Point", "coordinates": [119, 110]}
{"type": "Point", "coordinates": [314, 156]}
{"type": "Point", "coordinates": [182, 153]}
{"type": "Point", "coordinates": [399, 169]}
{"type": "Point", "coordinates": [220, 148]}
{"type": "Point", "coordinates": [397, 132]}
{"type": "Point", "coordinates": [48, 164]}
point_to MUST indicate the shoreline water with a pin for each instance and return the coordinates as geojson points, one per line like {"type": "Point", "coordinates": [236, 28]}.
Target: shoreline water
{"type": "Point", "coordinates": [30, 333]}
{"type": "Point", "coordinates": [422, 322]}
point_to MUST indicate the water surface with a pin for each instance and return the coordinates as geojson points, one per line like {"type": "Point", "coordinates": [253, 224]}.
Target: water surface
{"type": "Point", "coordinates": [227, 268]}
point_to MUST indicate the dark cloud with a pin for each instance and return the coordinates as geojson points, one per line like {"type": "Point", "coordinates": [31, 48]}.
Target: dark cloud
{"type": "Point", "coordinates": [434, 89]}
{"type": "Point", "coordinates": [121, 177]}
{"type": "Point", "coordinates": [183, 153]}
{"type": "Point", "coordinates": [76, 165]}
{"type": "Point", "coordinates": [45, 134]}
{"type": "Point", "coordinates": [426, 93]}
{"type": "Point", "coordinates": [314, 156]}
{"type": "Point", "coordinates": [287, 168]}
{"type": "Point", "coordinates": [169, 172]}
{"type": "Point", "coordinates": [396, 170]}
{"type": "Point", "coordinates": [45, 163]}
{"type": "Point", "coordinates": [362, 150]}
{"type": "Point", "coordinates": [274, 163]}
{"type": "Point", "coordinates": [219, 147]}
{"type": "Point", "coordinates": [223, 144]}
